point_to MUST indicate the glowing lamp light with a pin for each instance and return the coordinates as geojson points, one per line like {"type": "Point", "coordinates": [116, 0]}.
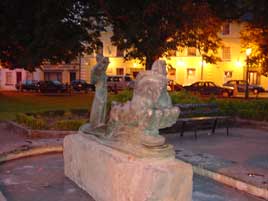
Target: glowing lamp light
{"type": "Point", "coordinates": [238, 63]}
{"type": "Point", "coordinates": [203, 63]}
{"type": "Point", "coordinates": [135, 65]}
{"type": "Point", "coordinates": [248, 51]}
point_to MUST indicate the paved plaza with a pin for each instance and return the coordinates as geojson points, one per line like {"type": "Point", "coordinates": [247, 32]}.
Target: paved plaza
{"type": "Point", "coordinates": [41, 178]}
{"type": "Point", "coordinates": [242, 153]}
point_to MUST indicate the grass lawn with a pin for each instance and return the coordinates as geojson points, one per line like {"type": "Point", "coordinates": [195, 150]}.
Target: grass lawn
{"type": "Point", "coordinates": [16, 102]}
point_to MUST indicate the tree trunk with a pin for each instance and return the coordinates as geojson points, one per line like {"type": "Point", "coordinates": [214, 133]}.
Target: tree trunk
{"type": "Point", "coordinates": [149, 62]}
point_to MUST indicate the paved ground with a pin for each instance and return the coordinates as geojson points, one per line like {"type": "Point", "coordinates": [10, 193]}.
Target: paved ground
{"type": "Point", "coordinates": [242, 155]}
{"type": "Point", "coordinates": [41, 178]}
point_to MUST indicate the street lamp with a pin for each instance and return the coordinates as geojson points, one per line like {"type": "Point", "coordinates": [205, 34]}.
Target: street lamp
{"type": "Point", "coordinates": [248, 52]}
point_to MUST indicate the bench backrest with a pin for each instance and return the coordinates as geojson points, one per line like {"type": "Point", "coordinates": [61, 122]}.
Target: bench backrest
{"type": "Point", "coordinates": [199, 109]}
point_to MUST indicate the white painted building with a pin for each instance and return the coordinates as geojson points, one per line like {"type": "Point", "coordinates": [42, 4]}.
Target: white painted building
{"type": "Point", "coordinates": [9, 78]}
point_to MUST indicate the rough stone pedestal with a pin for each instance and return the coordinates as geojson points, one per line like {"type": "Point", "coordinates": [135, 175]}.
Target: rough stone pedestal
{"type": "Point", "coordinates": [111, 175]}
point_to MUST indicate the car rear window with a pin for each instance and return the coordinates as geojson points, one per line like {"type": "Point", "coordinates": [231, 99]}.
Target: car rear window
{"type": "Point", "coordinates": [127, 79]}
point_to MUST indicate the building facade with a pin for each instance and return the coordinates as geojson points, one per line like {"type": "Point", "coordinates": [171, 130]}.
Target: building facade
{"type": "Point", "coordinates": [9, 78]}
{"type": "Point", "coordinates": [64, 73]}
{"type": "Point", "coordinates": [187, 64]}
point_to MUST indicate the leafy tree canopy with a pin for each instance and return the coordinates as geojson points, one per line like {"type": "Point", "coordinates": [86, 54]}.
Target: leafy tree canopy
{"type": "Point", "coordinates": [255, 34]}
{"type": "Point", "coordinates": [147, 29]}
{"type": "Point", "coordinates": [37, 31]}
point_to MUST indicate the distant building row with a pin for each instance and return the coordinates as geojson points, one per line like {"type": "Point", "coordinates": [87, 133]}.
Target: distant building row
{"type": "Point", "coordinates": [186, 65]}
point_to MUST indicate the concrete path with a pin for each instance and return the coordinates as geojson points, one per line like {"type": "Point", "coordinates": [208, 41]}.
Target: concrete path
{"type": "Point", "coordinates": [243, 155]}
{"type": "Point", "coordinates": [41, 178]}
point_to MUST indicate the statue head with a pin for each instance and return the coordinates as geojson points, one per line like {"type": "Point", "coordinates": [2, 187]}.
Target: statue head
{"type": "Point", "coordinates": [99, 57]}
{"type": "Point", "coordinates": [159, 66]}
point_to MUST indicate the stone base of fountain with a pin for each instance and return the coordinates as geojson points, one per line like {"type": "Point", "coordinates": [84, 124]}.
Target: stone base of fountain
{"type": "Point", "coordinates": [110, 173]}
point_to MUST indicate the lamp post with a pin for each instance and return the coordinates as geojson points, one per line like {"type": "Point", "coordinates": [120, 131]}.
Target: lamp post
{"type": "Point", "coordinates": [79, 70]}
{"type": "Point", "coordinates": [248, 52]}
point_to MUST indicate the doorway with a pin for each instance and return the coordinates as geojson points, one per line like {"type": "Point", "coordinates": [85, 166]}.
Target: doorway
{"type": "Point", "coordinates": [72, 76]}
{"type": "Point", "coordinates": [18, 77]}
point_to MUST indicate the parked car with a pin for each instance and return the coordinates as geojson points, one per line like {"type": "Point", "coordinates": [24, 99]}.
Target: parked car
{"type": "Point", "coordinates": [209, 88]}
{"type": "Point", "coordinates": [241, 86]}
{"type": "Point", "coordinates": [173, 86]}
{"type": "Point", "coordinates": [28, 85]}
{"type": "Point", "coordinates": [82, 85]}
{"type": "Point", "coordinates": [119, 82]}
{"type": "Point", "coordinates": [52, 86]}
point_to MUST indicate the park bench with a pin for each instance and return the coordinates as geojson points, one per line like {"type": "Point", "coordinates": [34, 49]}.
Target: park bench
{"type": "Point", "coordinates": [201, 116]}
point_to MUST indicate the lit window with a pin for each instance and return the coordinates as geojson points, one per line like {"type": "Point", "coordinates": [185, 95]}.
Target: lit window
{"type": "Point", "coordinates": [172, 72]}
{"type": "Point", "coordinates": [226, 29]}
{"type": "Point", "coordinates": [8, 78]}
{"type": "Point", "coordinates": [253, 77]}
{"type": "Point", "coordinates": [190, 73]}
{"type": "Point", "coordinates": [119, 71]}
{"type": "Point", "coordinates": [228, 74]}
{"type": "Point", "coordinates": [172, 53]}
{"type": "Point", "coordinates": [226, 53]}
{"type": "Point", "coordinates": [191, 51]}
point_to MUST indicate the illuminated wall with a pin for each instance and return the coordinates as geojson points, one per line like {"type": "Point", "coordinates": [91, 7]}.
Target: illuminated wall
{"type": "Point", "coordinates": [186, 69]}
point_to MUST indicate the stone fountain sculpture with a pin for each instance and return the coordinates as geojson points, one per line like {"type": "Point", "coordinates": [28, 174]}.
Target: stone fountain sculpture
{"type": "Point", "coordinates": [134, 126]}
{"type": "Point", "coordinates": [124, 157]}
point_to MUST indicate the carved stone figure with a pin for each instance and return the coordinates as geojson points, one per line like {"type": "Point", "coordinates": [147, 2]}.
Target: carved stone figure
{"type": "Point", "coordinates": [99, 78]}
{"type": "Point", "coordinates": [99, 105]}
{"type": "Point", "coordinates": [150, 109]}
{"type": "Point", "coordinates": [134, 126]}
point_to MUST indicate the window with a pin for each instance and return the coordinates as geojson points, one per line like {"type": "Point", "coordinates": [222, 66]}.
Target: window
{"type": "Point", "coordinates": [211, 84]}
{"type": "Point", "coordinates": [8, 78]}
{"type": "Point", "coordinates": [191, 51]}
{"type": "Point", "coordinates": [127, 78]}
{"type": "Point", "coordinates": [119, 52]}
{"type": "Point", "coordinates": [226, 29]}
{"type": "Point", "coordinates": [53, 76]}
{"type": "Point", "coordinates": [228, 75]}
{"type": "Point", "coordinates": [172, 72]}
{"type": "Point", "coordinates": [119, 71]}
{"type": "Point", "coordinates": [29, 76]}
{"type": "Point", "coordinates": [73, 76]}
{"type": "Point", "coordinates": [253, 77]}
{"type": "Point", "coordinates": [191, 74]}
{"type": "Point", "coordinates": [226, 53]}
{"type": "Point", "coordinates": [172, 53]}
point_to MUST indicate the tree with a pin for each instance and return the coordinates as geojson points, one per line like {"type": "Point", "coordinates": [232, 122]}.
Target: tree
{"type": "Point", "coordinates": [37, 31]}
{"type": "Point", "coordinates": [203, 33]}
{"type": "Point", "coordinates": [256, 39]}
{"type": "Point", "coordinates": [255, 34]}
{"type": "Point", "coordinates": [146, 29]}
